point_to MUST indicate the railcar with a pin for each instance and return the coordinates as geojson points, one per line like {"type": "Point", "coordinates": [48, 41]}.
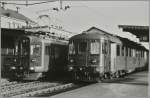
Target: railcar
{"type": "Point", "coordinates": [94, 56]}
{"type": "Point", "coordinates": [38, 57]}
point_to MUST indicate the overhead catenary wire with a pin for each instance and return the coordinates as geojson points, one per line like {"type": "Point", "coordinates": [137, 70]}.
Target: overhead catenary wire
{"type": "Point", "coordinates": [24, 4]}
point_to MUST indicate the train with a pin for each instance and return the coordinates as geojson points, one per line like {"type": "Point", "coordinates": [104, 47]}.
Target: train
{"type": "Point", "coordinates": [91, 56]}
{"type": "Point", "coordinates": [96, 55]}
{"type": "Point", "coordinates": [38, 56]}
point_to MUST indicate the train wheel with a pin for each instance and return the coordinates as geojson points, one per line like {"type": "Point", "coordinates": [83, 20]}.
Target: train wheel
{"type": "Point", "coordinates": [117, 75]}
{"type": "Point", "coordinates": [112, 76]}
{"type": "Point", "coordinates": [98, 80]}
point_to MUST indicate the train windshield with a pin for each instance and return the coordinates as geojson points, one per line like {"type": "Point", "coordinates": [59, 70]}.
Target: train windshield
{"type": "Point", "coordinates": [22, 47]}
{"type": "Point", "coordinates": [35, 50]}
{"type": "Point", "coordinates": [71, 48]}
{"type": "Point", "coordinates": [94, 47]}
{"type": "Point", "coordinates": [82, 47]}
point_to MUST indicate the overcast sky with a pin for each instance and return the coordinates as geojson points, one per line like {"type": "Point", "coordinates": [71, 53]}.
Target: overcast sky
{"type": "Point", "coordinates": [106, 15]}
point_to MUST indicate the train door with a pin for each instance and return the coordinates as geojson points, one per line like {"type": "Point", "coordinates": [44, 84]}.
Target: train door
{"type": "Point", "coordinates": [105, 55]}
{"type": "Point", "coordinates": [113, 57]}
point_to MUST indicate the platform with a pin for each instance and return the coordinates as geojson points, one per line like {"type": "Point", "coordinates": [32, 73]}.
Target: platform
{"type": "Point", "coordinates": [134, 86]}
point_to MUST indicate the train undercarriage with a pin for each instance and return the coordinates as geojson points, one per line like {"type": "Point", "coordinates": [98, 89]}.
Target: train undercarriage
{"type": "Point", "coordinates": [81, 74]}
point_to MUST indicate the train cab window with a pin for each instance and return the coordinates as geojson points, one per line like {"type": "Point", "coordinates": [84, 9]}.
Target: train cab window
{"type": "Point", "coordinates": [16, 49]}
{"type": "Point", "coordinates": [104, 47]}
{"type": "Point", "coordinates": [94, 47]}
{"type": "Point", "coordinates": [82, 47]}
{"type": "Point", "coordinates": [118, 50]}
{"type": "Point", "coordinates": [71, 48]}
{"type": "Point", "coordinates": [35, 50]}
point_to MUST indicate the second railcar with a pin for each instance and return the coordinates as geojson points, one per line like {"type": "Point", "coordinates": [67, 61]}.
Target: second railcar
{"type": "Point", "coordinates": [95, 56]}
{"type": "Point", "coordinates": [89, 56]}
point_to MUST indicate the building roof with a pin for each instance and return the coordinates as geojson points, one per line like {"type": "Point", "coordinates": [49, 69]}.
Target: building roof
{"type": "Point", "coordinates": [136, 30]}
{"type": "Point", "coordinates": [15, 14]}
{"type": "Point", "coordinates": [112, 37]}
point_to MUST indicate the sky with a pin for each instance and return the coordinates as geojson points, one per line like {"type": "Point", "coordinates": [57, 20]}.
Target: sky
{"type": "Point", "coordinates": [82, 15]}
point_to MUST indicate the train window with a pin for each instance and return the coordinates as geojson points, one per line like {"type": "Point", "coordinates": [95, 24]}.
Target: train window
{"type": "Point", "coordinates": [136, 53]}
{"type": "Point", "coordinates": [122, 50]}
{"type": "Point", "coordinates": [82, 47]}
{"type": "Point", "coordinates": [118, 50]}
{"type": "Point", "coordinates": [71, 48]}
{"type": "Point", "coordinates": [104, 47]}
{"type": "Point", "coordinates": [130, 52]}
{"type": "Point", "coordinates": [35, 49]}
{"type": "Point", "coordinates": [141, 53]}
{"type": "Point", "coordinates": [47, 49]}
{"type": "Point", "coordinates": [94, 47]}
{"type": "Point", "coordinates": [126, 51]}
{"type": "Point", "coordinates": [133, 54]}
{"type": "Point", "coordinates": [16, 49]}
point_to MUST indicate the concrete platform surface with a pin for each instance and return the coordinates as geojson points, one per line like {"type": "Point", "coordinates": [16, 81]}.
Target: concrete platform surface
{"type": "Point", "coordinates": [133, 86]}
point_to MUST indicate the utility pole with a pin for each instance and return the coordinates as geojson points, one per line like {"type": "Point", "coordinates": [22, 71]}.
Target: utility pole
{"type": "Point", "coordinates": [60, 4]}
{"type": "Point", "coordinates": [17, 9]}
{"type": "Point", "coordinates": [3, 4]}
{"type": "Point", "coordinates": [26, 3]}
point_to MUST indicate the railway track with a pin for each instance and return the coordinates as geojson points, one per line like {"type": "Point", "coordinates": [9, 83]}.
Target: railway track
{"type": "Point", "coordinates": [47, 90]}
{"type": "Point", "coordinates": [13, 86]}
{"type": "Point", "coordinates": [32, 88]}
{"type": "Point", "coordinates": [38, 88]}
{"type": "Point", "coordinates": [5, 82]}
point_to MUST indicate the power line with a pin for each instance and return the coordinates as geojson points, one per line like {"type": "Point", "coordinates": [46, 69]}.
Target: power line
{"type": "Point", "coordinates": [27, 3]}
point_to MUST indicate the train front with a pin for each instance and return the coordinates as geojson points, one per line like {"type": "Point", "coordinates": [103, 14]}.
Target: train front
{"type": "Point", "coordinates": [27, 57]}
{"type": "Point", "coordinates": [84, 59]}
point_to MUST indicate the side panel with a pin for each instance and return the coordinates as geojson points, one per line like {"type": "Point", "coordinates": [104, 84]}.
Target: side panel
{"type": "Point", "coordinates": [130, 65]}
{"type": "Point", "coordinates": [41, 68]}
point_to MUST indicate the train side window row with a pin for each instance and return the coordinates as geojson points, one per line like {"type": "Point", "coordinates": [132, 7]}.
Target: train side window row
{"type": "Point", "coordinates": [126, 51]}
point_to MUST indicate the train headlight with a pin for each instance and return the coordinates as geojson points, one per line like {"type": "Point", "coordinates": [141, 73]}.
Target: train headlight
{"type": "Point", "coordinates": [71, 60]}
{"type": "Point", "coordinates": [13, 67]}
{"type": "Point", "coordinates": [21, 68]}
{"type": "Point", "coordinates": [33, 60]}
{"type": "Point", "coordinates": [97, 69]}
{"type": "Point", "coordinates": [80, 68]}
{"type": "Point", "coordinates": [31, 68]}
{"type": "Point", "coordinates": [15, 60]}
{"type": "Point", "coordinates": [93, 61]}
{"type": "Point", "coordinates": [70, 68]}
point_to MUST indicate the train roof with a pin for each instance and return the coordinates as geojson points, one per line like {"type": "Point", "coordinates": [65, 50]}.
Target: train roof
{"type": "Point", "coordinates": [34, 38]}
{"type": "Point", "coordinates": [95, 33]}
{"type": "Point", "coordinates": [132, 44]}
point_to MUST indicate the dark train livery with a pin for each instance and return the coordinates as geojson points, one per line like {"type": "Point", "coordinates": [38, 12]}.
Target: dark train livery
{"type": "Point", "coordinates": [91, 56]}
{"type": "Point", "coordinates": [95, 55]}
{"type": "Point", "coordinates": [38, 56]}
